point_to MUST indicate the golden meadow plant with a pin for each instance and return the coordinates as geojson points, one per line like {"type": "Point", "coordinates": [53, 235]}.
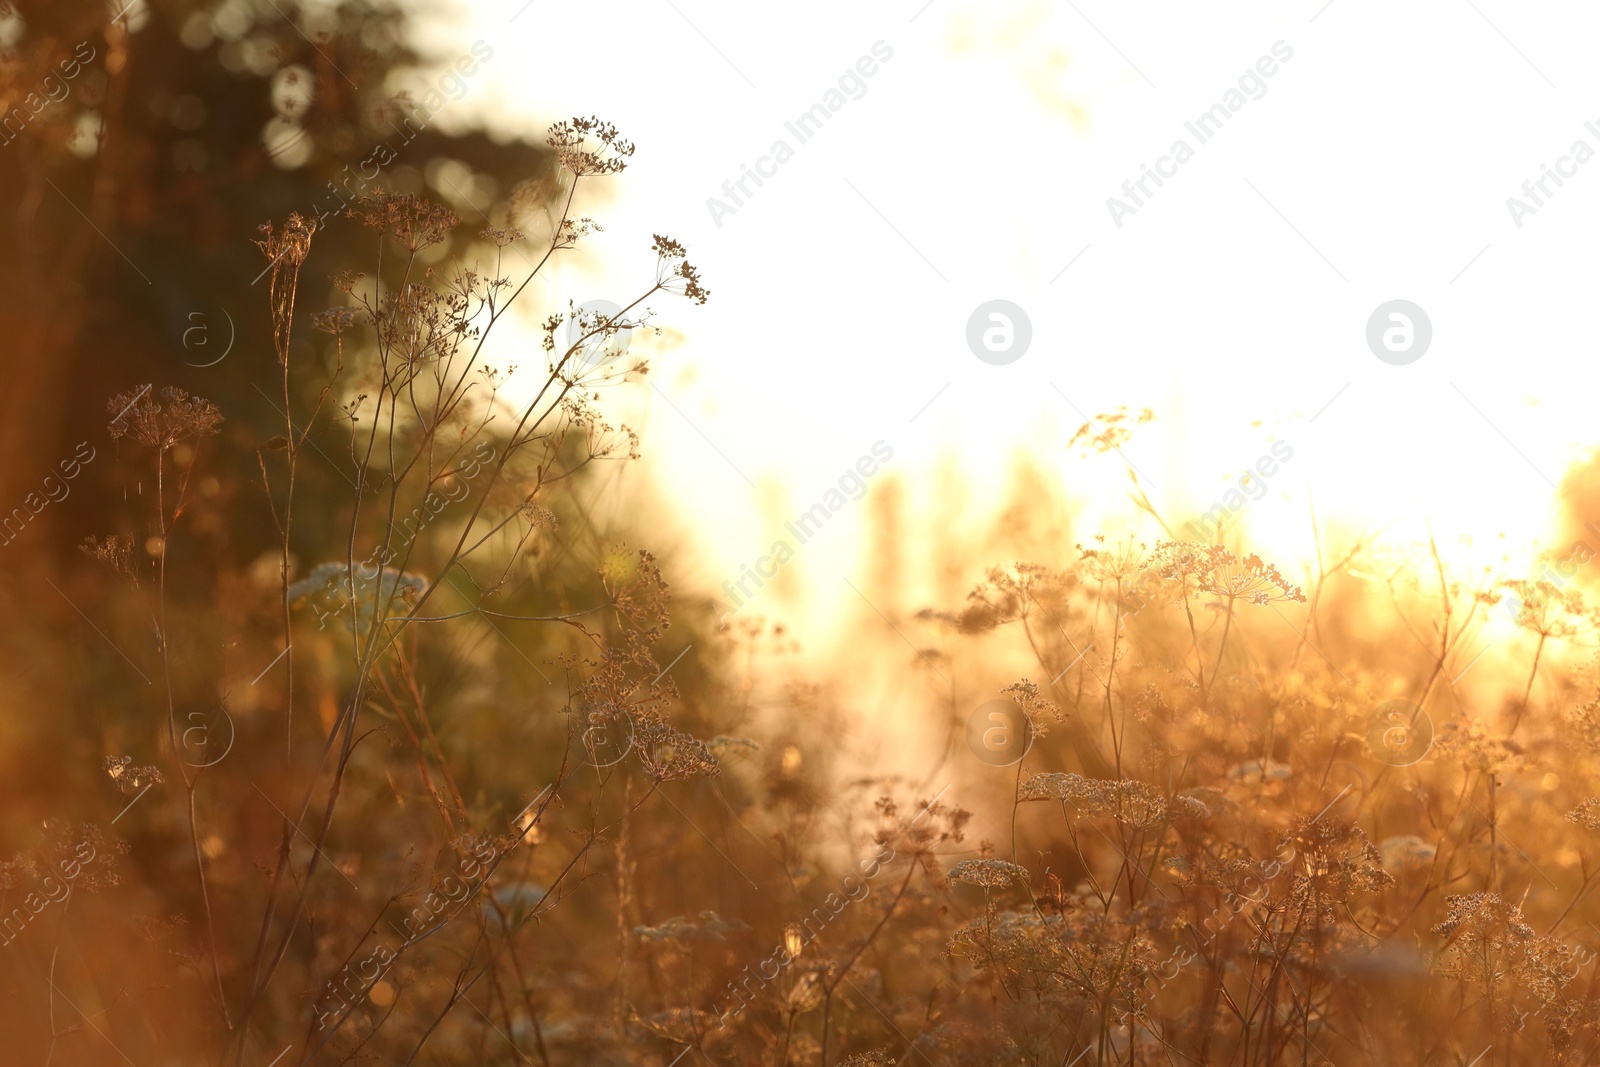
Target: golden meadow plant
{"type": "Point", "coordinates": [431, 781]}
{"type": "Point", "coordinates": [327, 923]}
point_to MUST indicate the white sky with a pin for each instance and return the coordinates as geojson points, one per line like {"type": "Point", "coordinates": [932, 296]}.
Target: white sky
{"type": "Point", "coordinates": [978, 165]}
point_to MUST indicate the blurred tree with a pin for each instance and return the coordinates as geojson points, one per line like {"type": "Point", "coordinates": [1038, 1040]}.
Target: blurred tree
{"type": "Point", "coordinates": [141, 146]}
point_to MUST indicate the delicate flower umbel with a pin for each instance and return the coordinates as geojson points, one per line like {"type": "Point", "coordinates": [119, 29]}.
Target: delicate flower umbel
{"type": "Point", "coordinates": [1586, 814]}
{"type": "Point", "coordinates": [1133, 803]}
{"type": "Point", "coordinates": [1546, 608]}
{"type": "Point", "coordinates": [1488, 943]}
{"type": "Point", "coordinates": [1585, 722]}
{"type": "Point", "coordinates": [1334, 863]}
{"type": "Point", "coordinates": [1215, 570]}
{"type": "Point", "coordinates": [875, 1058]}
{"type": "Point", "coordinates": [115, 551]}
{"type": "Point", "coordinates": [501, 236]}
{"type": "Point", "coordinates": [1081, 954]}
{"type": "Point", "coordinates": [589, 146]}
{"type": "Point", "coordinates": [163, 420]}
{"type": "Point", "coordinates": [1112, 565]}
{"type": "Point", "coordinates": [131, 779]}
{"type": "Point", "coordinates": [1008, 595]}
{"type": "Point", "coordinates": [1037, 708]}
{"type": "Point", "coordinates": [335, 321]}
{"type": "Point", "coordinates": [1471, 743]}
{"type": "Point", "coordinates": [991, 874]}
{"type": "Point", "coordinates": [675, 274]}
{"type": "Point", "coordinates": [1483, 917]}
{"type": "Point", "coordinates": [670, 755]}
{"type": "Point", "coordinates": [415, 221]}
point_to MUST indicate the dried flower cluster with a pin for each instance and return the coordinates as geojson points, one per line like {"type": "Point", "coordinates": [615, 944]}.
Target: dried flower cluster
{"type": "Point", "coordinates": [161, 419]}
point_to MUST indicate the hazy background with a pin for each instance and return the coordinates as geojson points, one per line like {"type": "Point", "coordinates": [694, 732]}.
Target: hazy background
{"type": "Point", "coordinates": [977, 165]}
{"type": "Point", "coordinates": [974, 164]}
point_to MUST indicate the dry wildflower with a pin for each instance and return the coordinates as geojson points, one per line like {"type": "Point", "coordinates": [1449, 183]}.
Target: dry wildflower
{"type": "Point", "coordinates": [991, 874]}
{"type": "Point", "coordinates": [1213, 800]}
{"type": "Point", "coordinates": [1215, 570]}
{"type": "Point", "coordinates": [1038, 709]}
{"type": "Point", "coordinates": [13, 870]}
{"type": "Point", "coordinates": [500, 237]}
{"type": "Point", "coordinates": [1586, 814]}
{"type": "Point", "coordinates": [1054, 785]}
{"type": "Point", "coordinates": [1133, 803]}
{"type": "Point", "coordinates": [86, 845]}
{"type": "Point", "coordinates": [1470, 742]}
{"type": "Point", "coordinates": [346, 280]}
{"type": "Point", "coordinates": [1585, 722]}
{"type": "Point", "coordinates": [675, 274]}
{"type": "Point", "coordinates": [1010, 595]}
{"type": "Point", "coordinates": [161, 422]}
{"type": "Point", "coordinates": [286, 250]}
{"type": "Point", "coordinates": [1151, 705]}
{"type": "Point", "coordinates": [876, 1058]}
{"type": "Point", "coordinates": [1184, 806]}
{"type": "Point", "coordinates": [415, 221]}
{"type": "Point", "coordinates": [115, 551]}
{"type": "Point", "coordinates": [130, 779]}
{"type": "Point", "coordinates": [588, 146]}
{"type": "Point", "coordinates": [1334, 863]}
{"type": "Point", "coordinates": [1406, 852]}
{"type": "Point", "coordinates": [335, 321]}
{"type": "Point", "coordinates": [934, 824]}
{"type": "Point", "coordinates": [288, 247]}
{"type": "Point", "coordinates": [670, 755]}
{"type": "Point", "coordinates": [1489, 942]}
{"type": "Point", "coordinates": [1545, 608]}
{"type": "Point", "coordinates": [1082, 955]}
{"type": "Point", "coordinates": [1112, 566]}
